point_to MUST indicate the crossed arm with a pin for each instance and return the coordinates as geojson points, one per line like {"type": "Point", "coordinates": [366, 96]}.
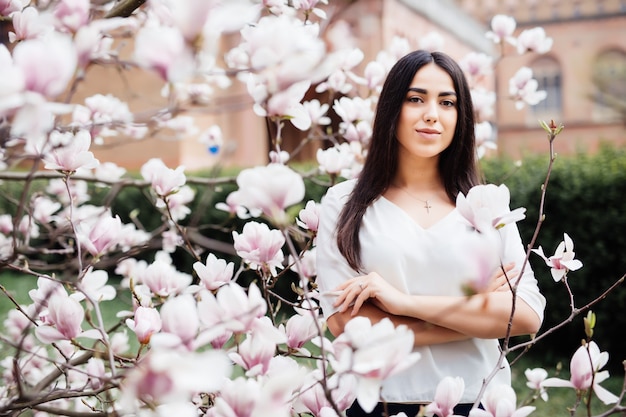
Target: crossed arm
{"type": "Point", "coordinates": [436, 319]}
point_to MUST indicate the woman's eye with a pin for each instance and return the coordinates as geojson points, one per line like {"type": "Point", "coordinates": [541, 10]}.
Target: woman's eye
{"type": "Point", "coordinates": [448, 103]}
{"type": "Point", "coordinates": [414, 99]}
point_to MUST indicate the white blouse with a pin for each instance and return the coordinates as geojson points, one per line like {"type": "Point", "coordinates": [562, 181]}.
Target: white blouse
{"type": "Point", "coordinates": [420, 261]}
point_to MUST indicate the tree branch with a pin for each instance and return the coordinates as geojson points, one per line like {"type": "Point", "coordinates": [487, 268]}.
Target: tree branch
{"type": "Point", "coordinates": [125, 8]}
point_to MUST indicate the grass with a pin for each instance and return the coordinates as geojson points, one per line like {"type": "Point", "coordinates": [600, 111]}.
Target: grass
{"type": "Point", "coordinates": [560, 399]}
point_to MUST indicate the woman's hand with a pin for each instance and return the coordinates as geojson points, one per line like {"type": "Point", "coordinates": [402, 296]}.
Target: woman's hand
{"type": "Point", "coordinates": [503, 278]}
{"type": "Point", "coordinates": [356, 291]}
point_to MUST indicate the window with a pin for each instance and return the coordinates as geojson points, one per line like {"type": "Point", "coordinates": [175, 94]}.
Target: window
{"type": "Point", "coordinates": [609, 84]}
{"type": "Point", "coordinates": [547, 72]}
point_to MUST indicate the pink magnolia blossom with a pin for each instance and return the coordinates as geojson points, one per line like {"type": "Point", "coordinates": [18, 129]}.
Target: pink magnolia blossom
{"type": "Point", "coordinates": [9, 6]}
{"type": "Point", "coordinates": [306, 266]}
{"type": "Point", "coordinates": [27, 24]}
{"type": "Point", "coordinates": [93, 285]}
{"type": "Point", "coordinates": [373, 353]}
{"type": "Point", "coordinates": [585, 373]}
{"type": "Point", "coordinates": [214, 272]}
{"type": "Point", "coordinates": [477, 65]}
{"type": "Point", "coordinates": [146, 322]}
{"type": "Point", "coordinates": [353, 109]}
{"type": "Point", "coordinates": [164, 180]}
{"type": "Point", "coordinates": [336, 159]}
{"type": "Point", "coordinates": [308, 217]}
{"type": "Point", "coordinates": [232, 308]}
{"type": "Point", "coordinates": [254, 354]}
{"type": "Point", "coordinates": [534, 40]}
{"type": "Point", "coordinates": [484, 102]}
{"type": "Point", "coordinates": [99, 112]}
{"type": "Point", "coordinates": [563, 259]}
{"type": "Point", "coordinates": [523, 88]}
{"type": "Point", "coordinates": [285, 103]}
{"type": "Point", "coordinates": [337, 83]}
{"type": "Point", "coordinates": [486, 206]}
{"type": "Point", "coordinates": [72, 156]}
{"type": "Point", "coordinates": [260, 247]}
{"type": "Point", "coordinates": [374, 74]}
{"type": "Point", "coordinates": [502, 28]}
{"type": "Point", "coordinates": [109, 171]}
{"type": "Point", "coordinates": [177, 202]}
{"type": "Point", "coordinates": [536, 378]}
{"type": "Point", "coordinates": [102, 235]}
{"type": "Point", "coordinates": [46, 289]}
{"type": "Point", "coordinates": [96, 372]}
{"type": "Point", "coordinates": [48, 64]}
{"type": "Point", "coordinates": [163, 279]}
{"type": "Point", "coordinates": [181, 323]}
{"type": "Point", "coordinates": [166, 377]}
{"type": "Point", "coordinates": [271, 189]}
{"type": "Point", "coordinates": [44, 209]}
{"type": "Point", "coordinates": [447, 396]}
{"type": "Point", "coordinates": [63, 322]}
{"type": "Point", "coordinates": [300, 329]}
{"type": "Point", "coordinates": [280, 64]}
{"type": "Point", "coordinates": [312, 397]}
{"type": "Point", "coordinates": [163, 49]}
{"type": "Point", "coordinates": [71, 15]}
{"type": "Point", "coordinates": [500, 401]}
{"type": "Point", "coordinates": [317, 112]}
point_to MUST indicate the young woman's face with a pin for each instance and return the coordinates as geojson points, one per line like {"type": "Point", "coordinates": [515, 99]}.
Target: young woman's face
{"type": "Point", "coordinates": [428, 116]}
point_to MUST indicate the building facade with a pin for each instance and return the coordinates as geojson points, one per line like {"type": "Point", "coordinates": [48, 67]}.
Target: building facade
{"type": "Point", "coordinates": [584, 74]}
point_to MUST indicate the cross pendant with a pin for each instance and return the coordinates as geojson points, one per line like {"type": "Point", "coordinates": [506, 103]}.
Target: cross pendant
{"type": "Point", "coordinates": [427, 206]}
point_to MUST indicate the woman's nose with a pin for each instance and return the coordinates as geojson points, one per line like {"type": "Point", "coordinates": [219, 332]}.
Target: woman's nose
{"type": "Point", "coordinates": [430, 113]}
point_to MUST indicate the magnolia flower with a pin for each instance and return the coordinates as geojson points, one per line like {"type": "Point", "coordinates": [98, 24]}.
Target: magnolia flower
{"type": "Point", "coordinates": [585, 372]}
{"type": "Point", "coordinates": [163, 179]}
{"type": "Point", "coordinates": [523, 88]}
{"type": "Point", "coordinates": [317, 112]}
{"type": "Point", "coordinates": [336, 159]}
{"type": "Point", "coordinates": [305, 266]}
{"type": "Point", "coordinates": [500, 401]}
{"type": "Point", "coordinates": [312, 397]}
{"type": "Point", "coordinates": [309, 217]}
{"type": "Point", "coordinates": [72, 14]}
{"type": "Point", "coordinates": [534, 40]}
{"type": "Point", "coordinates": [180, 320]}
{"type": "Point", "coordinates": [177, 202]}
{"type": "Point", "coordinates": [100, 236]}
{"type": "Point", "coordinates": [447, 396]}
{"type": "Point", "coordinates": [563, 259]}
{"type": "Point", "coordinates": [27, 24]}
{"type": "Point", "coordinates": [502, 28]}
{"type": "Point", "coordinates": [483, 101]}
{"type": "Point", "coordinates": [109, 171]}
{"type": "Point", "coordinates": [164, 279]}
{"type": "Point", "coordinates": [96, 372]}
{"type": "Point", "coordinates": [163, 49]}
{"type": "Point", "coordinates": [63, 321]}
{"type": "Point", "coordinates": [374, 74]}
{"type": "Point", "coordinates": [73, 155]}
{"type": "Point", "coordinates": [487, 206]}
{"type": "Point", "coordinates": [254, 354]}
{"type": "Point", "coordinates": [48, 63]}
{"type": "Point", "coordinates": [146, 322]}
{"type": "Point", "coordinates": [536, 378]}
{"type": "Point", "coordinates": [337, 82]}
{"type": "Point", "coordinates": [271, 189]}
{"type": "Point", "coordinates": [300, 329]}
{"type": "Point", "coordinates": [484, 138]}
{"type": "Point", "coordinates": [373, 353]}
{"type": "Point", "coordinates": [93, 285]}
{"type": "Point", "coordinates": [231, 308]}
{"type": "Point", "coordinates": [477, 65]}
{"type": "Point", "coordinates": [353, 109]}
{"type": "Point", "coordinates": [215, 272]}
{"type": "Point", "coordinates": [283, 104]}
{"type": "Point", "coordinates": [260, 247]}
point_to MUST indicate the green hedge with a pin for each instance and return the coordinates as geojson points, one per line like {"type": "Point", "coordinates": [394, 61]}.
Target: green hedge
{"type": "Point", "coordinates": [585, 199]}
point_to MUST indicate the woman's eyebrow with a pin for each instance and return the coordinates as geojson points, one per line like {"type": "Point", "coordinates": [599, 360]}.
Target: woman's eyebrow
{"type": "Point", "coordinates": [424, 91]}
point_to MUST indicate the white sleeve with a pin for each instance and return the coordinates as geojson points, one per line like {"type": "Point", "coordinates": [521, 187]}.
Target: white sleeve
{"type": "Point", "coordinates": [514, 251]}
{"type": "Point", "coordinates": [332, 267]}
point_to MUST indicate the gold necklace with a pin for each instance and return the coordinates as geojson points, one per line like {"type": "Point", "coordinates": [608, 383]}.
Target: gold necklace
{"type": "Point", "coordinates": [427, 205]}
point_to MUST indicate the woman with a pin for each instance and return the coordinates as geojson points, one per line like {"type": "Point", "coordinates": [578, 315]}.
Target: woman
{"type": "Point", "coordinates": [384, 242]}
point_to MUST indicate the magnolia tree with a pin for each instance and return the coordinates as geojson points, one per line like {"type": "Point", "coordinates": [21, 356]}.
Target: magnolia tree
{"type": "Point", "coordinates": [202, 341]}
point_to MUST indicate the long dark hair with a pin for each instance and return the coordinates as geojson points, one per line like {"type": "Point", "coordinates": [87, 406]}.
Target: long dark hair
{"type": "Point", "coordinates": [457, 163]}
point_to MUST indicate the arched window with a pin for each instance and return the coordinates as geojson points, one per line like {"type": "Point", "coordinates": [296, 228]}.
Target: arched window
{"type": "Point", "coordinates": [609, 83]}
{"type": "Point", "coordinates": [547, 72]}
